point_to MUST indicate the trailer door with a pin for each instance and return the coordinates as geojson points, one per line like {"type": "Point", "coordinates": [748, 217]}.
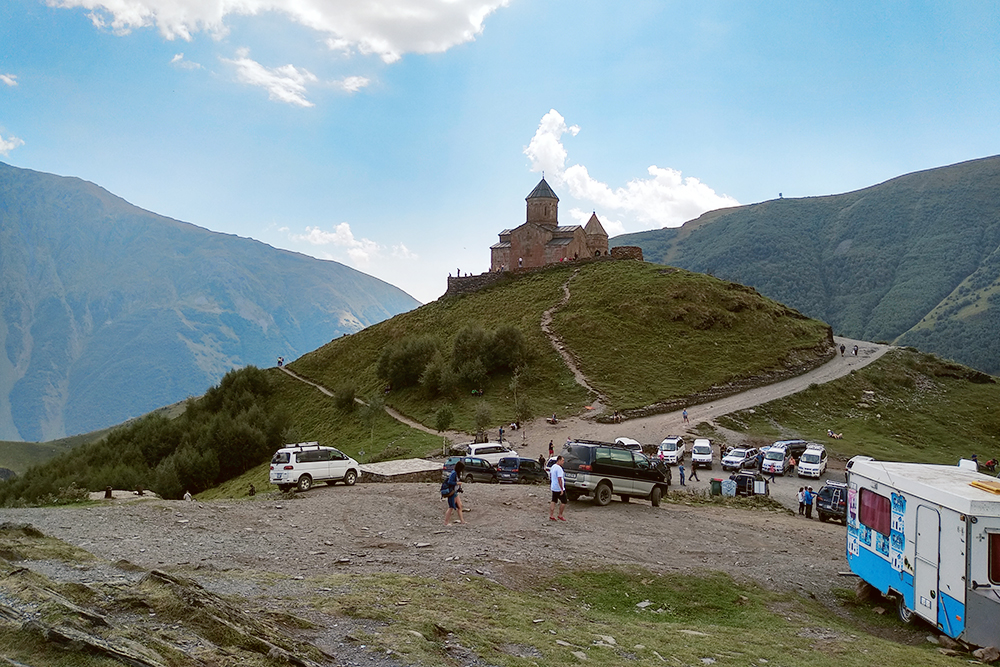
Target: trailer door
{"type": "Point", "coordinates": [925, 573]}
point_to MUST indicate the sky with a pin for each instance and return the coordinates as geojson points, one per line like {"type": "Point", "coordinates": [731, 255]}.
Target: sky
{"type": "Point", "coordinates": [400, 137]}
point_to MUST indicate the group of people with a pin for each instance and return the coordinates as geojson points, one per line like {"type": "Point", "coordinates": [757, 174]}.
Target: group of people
{"type": "Point", "coordinates": [451, 490]}
{"type": "Point", "coordinates": [843, 349]}
{"type": "Point", "coordinates": [806, 498]}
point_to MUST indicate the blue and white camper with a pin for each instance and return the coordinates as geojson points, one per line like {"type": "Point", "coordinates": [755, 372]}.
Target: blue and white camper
{"type": "Point", "coordinates": [929, 537]}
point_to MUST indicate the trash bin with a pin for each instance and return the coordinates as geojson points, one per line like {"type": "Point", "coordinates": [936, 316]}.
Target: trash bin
{"type": "Point", "coordinates": [716, 486]}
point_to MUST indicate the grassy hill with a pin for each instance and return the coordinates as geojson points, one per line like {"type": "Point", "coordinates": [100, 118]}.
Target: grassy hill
{"type": "Point", "coordinates": [907, 406]}
{"type": "Point", "coordinates": [642, 333]}
{"type": "Point", "coordinates": [914, 260]}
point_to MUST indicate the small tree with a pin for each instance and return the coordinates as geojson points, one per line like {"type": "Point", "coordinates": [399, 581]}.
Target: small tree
{"type": "Point", "coordinates": [343, 397]}
{"type": "Point", "coordinates": [484, 416]}
{"type": "Point", "coordinates": [442, 422]}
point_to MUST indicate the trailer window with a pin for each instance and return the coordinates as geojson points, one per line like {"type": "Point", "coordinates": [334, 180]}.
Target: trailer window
{"type": "Point", "coordinates": [875, 511]}
{"type": "Point", "coordinates": [995, 558]}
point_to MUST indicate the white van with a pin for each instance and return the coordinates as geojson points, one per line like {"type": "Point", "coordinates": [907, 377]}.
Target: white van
{"type": "Point", "coordinates": [307, 462]}
{"type": "Point", "coordinates": [491, 451]}
{"type": "Point", "coordinates": [629, 443]}
{"type": "Point", "coordinates": [812, 463]}
{"type": "Point", "coordinates": [701, 454]}
{"type": "Point", "coordinates": [673, 449]}
{"type": "Point", "coordinates": [776, 460]}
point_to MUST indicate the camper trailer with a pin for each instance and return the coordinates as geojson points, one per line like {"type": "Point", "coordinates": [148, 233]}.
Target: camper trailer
{"type": "Point", "coordinates": [929, 537]}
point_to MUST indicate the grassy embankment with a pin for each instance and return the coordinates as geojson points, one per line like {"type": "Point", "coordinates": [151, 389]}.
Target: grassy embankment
{"type": "Point", "coordinates": [642, 333]}
{"type": "Point", "coordinates": [907, 406]}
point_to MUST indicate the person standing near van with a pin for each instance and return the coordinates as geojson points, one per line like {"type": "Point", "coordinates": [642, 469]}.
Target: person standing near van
{"type": "Point", "coordinates": [454, 487]}
{"type": "Point", "coordinates": [680, 469]}
{"type": "Point", "coordinates": [557, 484]}
{"type": "Point", "coordinates": [694, 473]}
{"type": "Point", "coordinates": [808, 498]}
{"type": "Point", "coordinates": [801, 497]}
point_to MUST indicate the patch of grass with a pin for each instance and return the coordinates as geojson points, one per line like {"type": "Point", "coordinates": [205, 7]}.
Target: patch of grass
{"type": "Point", "coordinates": [25, 542]}
{"type": "Point", "coordinates": [906, 406]}
{"type": "Point", "coordinates": [612, 617]}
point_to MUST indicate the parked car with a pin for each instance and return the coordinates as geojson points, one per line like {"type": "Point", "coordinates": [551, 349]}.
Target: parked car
{"type": "Point", "coordinates": [777, 460]}
{"type": "Point", "coordinates": [793, 447]}
{"type": "Point", "coordinates": [813, 462]}
{"type": "Point", "coordinates": [673, 449]}
{"type": "Point", "coordinates": [745, 483]}
{"type": "Point", "coordinates": [476, 469]}
{"type": "Point", "coordinates": [702, 455]}
{"type": "Point", "coordinates": [634, 445]}
{"type": "Point", "coordinates": [739, 458]}
{"type": "Point", "coordinates": [603, 469]}
{"type": "Point", "coordinates": [307, 462]}
{"type": "Point", "coordinates": [491, 451]}
{"type": "Point", "coordinates": [831, 502]}
{"type": "Point", "coordinates": [518, 470]}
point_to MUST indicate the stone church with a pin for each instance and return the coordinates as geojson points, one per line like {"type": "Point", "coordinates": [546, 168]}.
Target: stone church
{"type": "Point", "coordinates": [541, 240]}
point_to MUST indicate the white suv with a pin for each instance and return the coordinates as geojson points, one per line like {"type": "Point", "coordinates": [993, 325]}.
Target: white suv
{"type": "Point", "coordinates": [307, 462]}
{"type": "Point", "coordinates": [673, 449]}
{"type": "Point", "coordinates": [812, 463]}
{"type": "Point", "coordinates": [491, 451]}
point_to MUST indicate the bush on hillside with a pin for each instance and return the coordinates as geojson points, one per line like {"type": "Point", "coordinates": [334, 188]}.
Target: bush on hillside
{"type": "Point", "coordinates": [225, 433]}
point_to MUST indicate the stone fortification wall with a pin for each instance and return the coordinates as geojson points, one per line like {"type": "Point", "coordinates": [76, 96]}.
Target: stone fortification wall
{"type": "Point", "coordinates": [627, 252]}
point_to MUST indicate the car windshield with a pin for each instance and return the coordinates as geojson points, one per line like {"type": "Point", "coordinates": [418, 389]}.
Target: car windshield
{"type": "Point", "coordinates": [810, 457]}
{"type": "Point", "coordinates": [774, 455]}
{"type": "Point", "coordinates": [669, 446]}
{"type": "Point", "coordinates": [701, 449]}
{"type": "Point", "coordinates": [737, 454]}
{"type": "Point", "coordinates": [507, 463]}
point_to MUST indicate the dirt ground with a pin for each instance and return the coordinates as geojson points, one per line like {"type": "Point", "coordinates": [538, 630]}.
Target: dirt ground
{"type": "Point", "coordinates": [398, 528]}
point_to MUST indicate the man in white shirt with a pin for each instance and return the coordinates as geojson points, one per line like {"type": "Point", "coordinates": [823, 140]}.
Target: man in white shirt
{"type": "Point", "coordinates": [557, 484]}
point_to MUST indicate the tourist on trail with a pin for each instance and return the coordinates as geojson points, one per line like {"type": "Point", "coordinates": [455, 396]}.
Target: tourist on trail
{"type": "Point", "coordinates": [694, 473]}
{"type": "Point", "coordinates": [843, 348]}
{"type": "Point", "coordinates": [450, 490]}
{"type": "Point", "coordinates": [557, 484]}
{"type": "Point", "coordinates": [855, 350]}
{"type": "Point", "coordinates": [684, 414]}
{"type": "Point", "coordinates": [551, 449]}
{"type": "Point", "coordinates": [680, 469]}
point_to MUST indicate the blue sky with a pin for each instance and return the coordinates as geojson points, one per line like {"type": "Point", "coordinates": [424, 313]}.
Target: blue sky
{"type": "Point", "coordinates": [400, 137]}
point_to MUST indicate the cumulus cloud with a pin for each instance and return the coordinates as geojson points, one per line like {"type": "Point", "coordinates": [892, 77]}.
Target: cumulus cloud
{"type": "Point", "coordinates": [9, 79]}
{"type": "Point", "coordinates": [388, 29]}
{"type": "Point", "coordinates": [361, 251]}
{"type": "Point", "coordinates": [283, 84]}
{"type": "Point", "coordinates": [351, 84]}
{"type": "Point", "coordinates": [665, 199]}
{"type": "Point", "coordinates": [7, 145]}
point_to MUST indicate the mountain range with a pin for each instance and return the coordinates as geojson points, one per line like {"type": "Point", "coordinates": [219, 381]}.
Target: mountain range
{"type": "Point", "coordinates": [913, 261]}
{"type": "Point", "coordinates": [108, 311]}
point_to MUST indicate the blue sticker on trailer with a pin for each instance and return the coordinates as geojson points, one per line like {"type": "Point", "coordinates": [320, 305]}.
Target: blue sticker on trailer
{"type": "Point", "coordinates": [878, 572]}
{"type": "Point", "coordinates": [951, 615]}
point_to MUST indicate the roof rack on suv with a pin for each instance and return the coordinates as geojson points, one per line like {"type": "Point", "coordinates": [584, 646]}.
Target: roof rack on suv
{"type": "Point", "coordinates": [613, 445]}
{"type": "Point", "coordinates": [302, 445]}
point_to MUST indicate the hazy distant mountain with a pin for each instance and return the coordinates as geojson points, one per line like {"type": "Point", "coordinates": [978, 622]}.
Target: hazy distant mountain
{"type": "Point", "coordinates": [108, 311]}
{"type": "Point", "coordinates": [913, 260]}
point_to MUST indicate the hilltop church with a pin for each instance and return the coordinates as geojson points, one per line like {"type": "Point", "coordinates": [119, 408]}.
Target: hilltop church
{"type": "Point", "coordinates": [540, 240]}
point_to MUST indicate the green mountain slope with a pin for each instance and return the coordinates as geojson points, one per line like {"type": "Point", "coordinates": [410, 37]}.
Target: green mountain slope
{"type": "Point", "coordinates": [873, 263]}
{"type": "Point", "coordinates": [108, 311]}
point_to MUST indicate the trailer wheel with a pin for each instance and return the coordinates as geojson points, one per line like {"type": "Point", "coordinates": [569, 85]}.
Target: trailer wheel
{"type": "Point", "coordinates": [906, 614]}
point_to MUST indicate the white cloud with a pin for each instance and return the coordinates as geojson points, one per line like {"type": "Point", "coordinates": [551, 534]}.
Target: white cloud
{"type": "Point", "coordinates": [179, 61]}
{"type": "Point", "coordinates": [9, 79]}
{"type": "Point", "coordinates": [7, 145]}
{"type": "Point", "coordinates": [665, 199]}
{"type": "Point", "coordinates": [388, 29]}
{"type": "Point", "coordinates": [284, 84]}
{"type": "Point", "coordinates": [360, 251]}
{"type": "Point", "coordinates": [352, 84]}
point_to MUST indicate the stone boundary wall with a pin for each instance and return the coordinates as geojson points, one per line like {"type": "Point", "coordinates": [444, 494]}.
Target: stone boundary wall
{"type": "Point", "coordinates": [469, 284]}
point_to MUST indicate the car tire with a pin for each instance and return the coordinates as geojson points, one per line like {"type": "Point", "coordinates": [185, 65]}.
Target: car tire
{"type": "Point", "coordinates": [305, 483]}
{"type": "Point", "coordinates": [573, 495]}
{"type": "Point", "coordinates": [602, 494]}
{"type": "Point", "coordinates": [906, 615]}
{"type": "Point", "coordinates": [331, 482]}
{"type": "Point", "coordinates": [494, 480]}
{"type": "Point", "coordinates": [469, 479]}
{"type": "Point", "coordinates": [625, 499]}
{"type": "Point", "coordinates": [351, 477]}
{"type": "Point", "coordinates": [654, 496]}
{"type": "Point", "coordinates": [822, 517]}
{"type": "Point", "coordinates": [285, 488]}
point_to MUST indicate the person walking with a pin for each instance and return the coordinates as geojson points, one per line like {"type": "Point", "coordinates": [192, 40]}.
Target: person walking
{"type": "Point", "coordinates": [808, 497]}
{"type": "Point", "coordinates": [855, 350]}
{"type": "Point", "coordinates": [684, 414]}
{"type": "Point", "coordinates": [551, 450]}
{"type": "Point", "coordinates": [680, 469]}
{"type": "Point", "coordinates": [842, 349]}
{"type": "Point", "coordinates": [450, 490]}
{"type": "Point", "coordinates": [694, 473]}
{"type": "Point", "coordinates": [801, 497]}
{"type": "Point", "coordinates": [557, 484]}
{"type": "Point", "coordinates": [541, 461]}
